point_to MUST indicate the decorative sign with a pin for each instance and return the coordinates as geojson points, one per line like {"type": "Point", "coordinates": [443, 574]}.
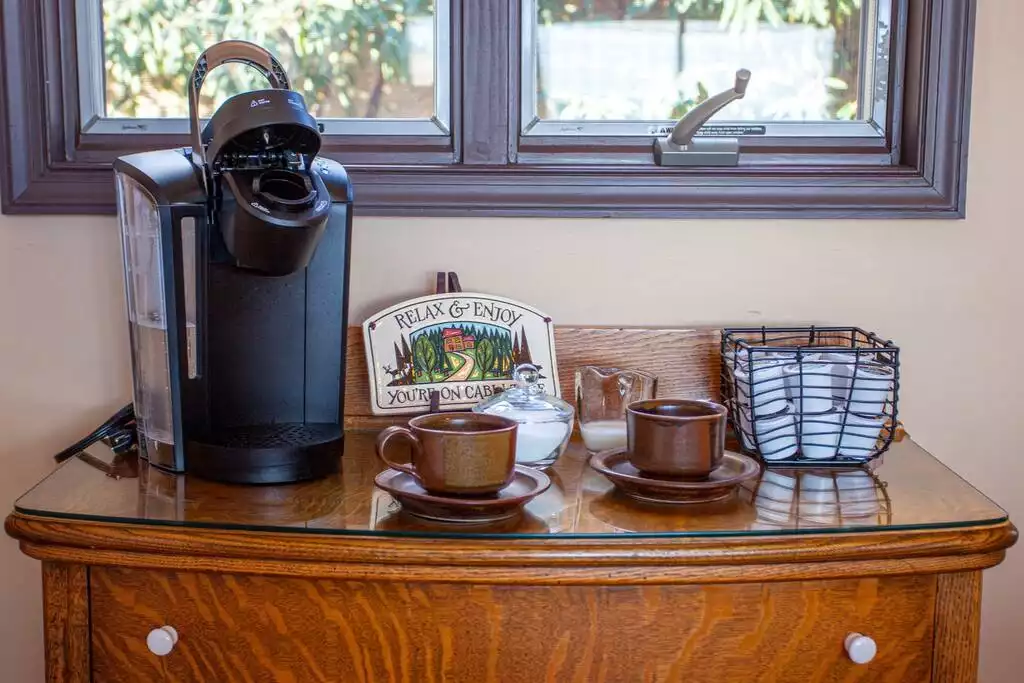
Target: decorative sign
{"type": "Point", "coordinates": [464, 346]}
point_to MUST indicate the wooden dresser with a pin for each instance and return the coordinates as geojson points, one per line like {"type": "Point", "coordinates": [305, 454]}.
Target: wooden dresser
{"type": "Point", "coordinates": [330, 581]}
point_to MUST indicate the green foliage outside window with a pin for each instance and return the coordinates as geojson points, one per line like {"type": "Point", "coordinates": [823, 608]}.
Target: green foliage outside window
{"type": "Point", "coordinates": [341, 54]}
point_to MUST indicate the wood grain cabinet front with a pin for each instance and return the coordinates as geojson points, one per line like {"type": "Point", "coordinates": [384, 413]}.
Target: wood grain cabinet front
{"type": "Point", "coordinates": [249, 628]}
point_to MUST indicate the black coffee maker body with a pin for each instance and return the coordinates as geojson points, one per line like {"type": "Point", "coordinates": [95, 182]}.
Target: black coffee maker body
{"type": "Point", "coordinates": [236, 257]}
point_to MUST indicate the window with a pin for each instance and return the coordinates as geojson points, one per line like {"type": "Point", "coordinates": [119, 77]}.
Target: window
{"type": "Point", "coordinates": [632, 68]}
{"type": "Point", "coordinates": [370, 68]}
{"type": "Point", "coordinates": [518, 107]}
{"type": "Point", "coordinates": [629, 70]}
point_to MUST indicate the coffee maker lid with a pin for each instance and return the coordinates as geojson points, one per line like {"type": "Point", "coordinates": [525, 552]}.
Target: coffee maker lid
{"type": "Point", "coordinates": [260, 122]}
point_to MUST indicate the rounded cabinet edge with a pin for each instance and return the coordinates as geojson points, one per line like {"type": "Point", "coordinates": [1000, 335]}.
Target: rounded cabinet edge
{"type": "Point", "coordinates": [521, 561]}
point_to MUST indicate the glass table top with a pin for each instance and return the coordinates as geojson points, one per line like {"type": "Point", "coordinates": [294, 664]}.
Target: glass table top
{"type": "Point", "coordinates": [910, 489]}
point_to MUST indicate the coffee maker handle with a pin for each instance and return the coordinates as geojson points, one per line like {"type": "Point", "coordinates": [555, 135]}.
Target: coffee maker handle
{"type": "Point", "coordinates": [238, 51]}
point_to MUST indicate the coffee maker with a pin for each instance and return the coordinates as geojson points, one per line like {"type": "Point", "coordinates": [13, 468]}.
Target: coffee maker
{"type": "Point", "coordinates": [236, 257]}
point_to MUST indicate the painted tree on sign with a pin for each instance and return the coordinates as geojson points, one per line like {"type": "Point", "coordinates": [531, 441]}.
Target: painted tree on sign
{"type": "Point", "coordinates": [485, 356]}
{"type": "Point", "coordinates": [424, 355]}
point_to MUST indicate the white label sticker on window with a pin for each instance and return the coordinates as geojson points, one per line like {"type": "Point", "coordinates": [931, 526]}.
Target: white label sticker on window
{"type": "Point", "coordinates": [717, 131]}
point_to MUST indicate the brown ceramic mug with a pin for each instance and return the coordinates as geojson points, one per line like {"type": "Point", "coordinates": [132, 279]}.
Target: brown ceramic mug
{"type": "Point", "coordinates": [457, 454]}
{"type": "Point", "coordinates": [676, 437]}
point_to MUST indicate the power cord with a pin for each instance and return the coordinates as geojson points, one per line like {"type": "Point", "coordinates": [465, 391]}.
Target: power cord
{"type": "Point", "coordinates": [118, 433]}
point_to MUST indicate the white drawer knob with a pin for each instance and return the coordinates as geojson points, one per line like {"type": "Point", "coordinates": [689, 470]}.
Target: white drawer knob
{"type": "Point", "coordinates": [161, 641]}
{"type": "Point", "coordinates": [861, 648]}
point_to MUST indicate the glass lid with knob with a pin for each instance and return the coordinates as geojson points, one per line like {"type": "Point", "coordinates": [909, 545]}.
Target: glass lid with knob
{"type": "Point", "coordinates": [545, 421]}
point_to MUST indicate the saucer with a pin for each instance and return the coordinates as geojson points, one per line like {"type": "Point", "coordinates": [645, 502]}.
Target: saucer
{"type": "Point", "coordinates": [734, 470]}
{"type": "Point", "coordinates": [526, 485]}
{"type": "Point", "coordinates": [525, 523]}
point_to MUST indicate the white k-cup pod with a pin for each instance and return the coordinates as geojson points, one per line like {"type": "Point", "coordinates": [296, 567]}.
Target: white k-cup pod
{"type": "Point", "coordinates": [775, 435]}
{"type": "Point", "coordinates": [843, 363]}
{"type": "Point", "coordinates": [810, 386]}
{"type": "Point", "coordinates": [762, 388]}
{"type": "Point", "coordinates": [819, 435]}
{"type": "Point", "coordinates": [741, 358]}
{"type": "Point", "coordinates": [860, 434]}
{"type": "Point", "coordinates": [869, 389]}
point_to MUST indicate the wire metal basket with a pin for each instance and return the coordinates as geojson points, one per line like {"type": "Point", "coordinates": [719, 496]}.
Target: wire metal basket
{"type": "Point", "coordinates": [812, 396]}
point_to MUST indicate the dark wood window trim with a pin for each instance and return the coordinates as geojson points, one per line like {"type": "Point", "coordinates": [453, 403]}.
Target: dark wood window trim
{"type": "Point", "coordinates": [486, 168]}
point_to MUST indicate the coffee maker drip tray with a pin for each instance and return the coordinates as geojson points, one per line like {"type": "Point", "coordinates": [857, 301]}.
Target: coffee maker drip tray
{"type": "Point", "coordinates": [267, 454]}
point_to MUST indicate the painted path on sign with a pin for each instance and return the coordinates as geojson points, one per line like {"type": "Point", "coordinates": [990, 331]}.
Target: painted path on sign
{"type": "Point", "coordinates": [463, 373]}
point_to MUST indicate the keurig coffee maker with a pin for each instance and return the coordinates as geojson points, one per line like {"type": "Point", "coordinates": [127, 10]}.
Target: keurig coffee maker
{"type": "Point", "coordinates": [236, 256]}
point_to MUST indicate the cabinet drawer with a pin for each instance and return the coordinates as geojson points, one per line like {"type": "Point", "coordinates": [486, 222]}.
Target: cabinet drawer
{"type": "Point", "coordinates": [280, 630]}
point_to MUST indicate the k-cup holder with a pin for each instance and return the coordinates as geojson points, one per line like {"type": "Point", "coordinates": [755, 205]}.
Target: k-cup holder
{"type": "Point", "coordinates": [816, 396]}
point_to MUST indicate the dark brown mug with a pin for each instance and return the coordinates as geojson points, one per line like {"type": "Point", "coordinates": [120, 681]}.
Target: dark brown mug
{"type": "Point", "coordinates": [676, 437]}
{"type": "Point", "coordinates": [457, 454]}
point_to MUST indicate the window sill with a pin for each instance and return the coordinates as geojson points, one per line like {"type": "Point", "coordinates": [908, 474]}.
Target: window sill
{"type": "Point", "coordinates": [588, 191]}
{"type": "Point", "coordinates": [852, 191]}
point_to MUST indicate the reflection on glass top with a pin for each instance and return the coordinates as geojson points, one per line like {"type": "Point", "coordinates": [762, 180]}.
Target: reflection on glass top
{"type": "Point", "coordinates": [909, 490]}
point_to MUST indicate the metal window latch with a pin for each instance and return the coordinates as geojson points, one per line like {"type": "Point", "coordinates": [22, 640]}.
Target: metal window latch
{"type": "Point", "coordinates": [679, 148]}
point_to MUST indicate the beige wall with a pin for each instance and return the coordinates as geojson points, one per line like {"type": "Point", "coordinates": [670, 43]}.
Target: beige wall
{"type": "Point", "coordinates": [948, 292]}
